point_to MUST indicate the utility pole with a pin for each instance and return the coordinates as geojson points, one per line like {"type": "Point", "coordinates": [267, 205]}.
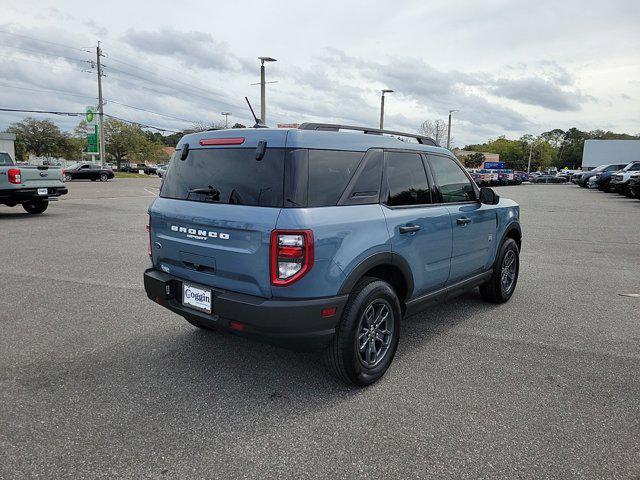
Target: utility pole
{"type": "Point", "coordinates": [386, 90]}
{"type": "Point", "coordinates": [449, 130]}
{"type": "Point", "coordinates": [100, 105]}
{"type": "Point", "coordinates": [226, 118]}
{"type": "Point", "coordinates": [529, 164]}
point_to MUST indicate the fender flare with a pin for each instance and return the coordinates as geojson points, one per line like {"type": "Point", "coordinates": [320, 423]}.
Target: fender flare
{"type": "Point", "coordinates": [375, 260]}
{"type": "Point", "coordinates": [513, 226]}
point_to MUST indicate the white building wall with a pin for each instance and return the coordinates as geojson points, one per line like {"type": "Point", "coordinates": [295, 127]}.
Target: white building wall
{"type": "Point", "coordinates": [600, 152]}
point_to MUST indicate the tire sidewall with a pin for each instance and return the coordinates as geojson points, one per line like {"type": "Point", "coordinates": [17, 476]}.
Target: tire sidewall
{"type": "Point", "coordinates": [348, 331]}
{"type": "Point", "coordinates": [104, 177]}
{"type": "Point", "coordinates": [508, 244]}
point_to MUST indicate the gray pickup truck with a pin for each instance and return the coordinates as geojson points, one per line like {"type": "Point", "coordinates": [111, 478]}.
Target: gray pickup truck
{"type": "Point", "coordinates": [30, 186]}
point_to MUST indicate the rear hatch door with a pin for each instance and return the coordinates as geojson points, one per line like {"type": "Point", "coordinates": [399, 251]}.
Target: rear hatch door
{"type": "Point", "coordinates": [217, 208]}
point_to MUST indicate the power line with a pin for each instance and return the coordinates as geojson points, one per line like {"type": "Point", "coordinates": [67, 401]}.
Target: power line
{"type": "Point", "coordinates": [43, 41]}
{"type": "Point", "coordinates": [47, 90]}
{"type": "Point", "coordinates": [107, 100]}
{"type": "Point", "coordinates": [194, 94]}
{"type": "Point", "coordinates": [78, 114]}
{"type": "Point", "coordinates": [150, 111]}
{"type": "Point", "coordinates": [47, 54]}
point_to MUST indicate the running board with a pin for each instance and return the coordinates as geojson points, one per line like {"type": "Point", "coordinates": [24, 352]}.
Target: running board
{"type": "Point", "coordinates": [420, 303]}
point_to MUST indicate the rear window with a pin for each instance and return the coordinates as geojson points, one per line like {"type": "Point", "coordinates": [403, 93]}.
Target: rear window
{"type": "Point", "coordinates": [226, 175]}
{"type": "Point", "coordinates": [329, 174]}
{"type": "Point", "coordinates": [5, 159]}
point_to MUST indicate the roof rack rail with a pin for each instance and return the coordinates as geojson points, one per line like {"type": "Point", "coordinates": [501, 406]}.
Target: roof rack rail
{"type": "Point", "coordinates": [334, 127]}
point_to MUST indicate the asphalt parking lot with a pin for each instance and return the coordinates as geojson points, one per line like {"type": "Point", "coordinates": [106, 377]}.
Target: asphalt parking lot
{"type": "Point", "coordinates": [98, 382]}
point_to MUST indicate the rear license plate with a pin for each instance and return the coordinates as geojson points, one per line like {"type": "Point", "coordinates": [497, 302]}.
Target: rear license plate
{"type": "Point", "coordinates": [196, 297]}
{"type": "Point", "coordinates": [42, 191]}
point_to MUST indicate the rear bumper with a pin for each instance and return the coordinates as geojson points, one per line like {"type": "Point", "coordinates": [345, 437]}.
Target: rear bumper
{"type": "Point", "coordinates": [297, 323]}
{"type": "Point", "coordinates": [20, 195]}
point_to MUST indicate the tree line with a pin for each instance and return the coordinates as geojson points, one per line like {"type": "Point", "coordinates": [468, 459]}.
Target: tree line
{"type": "Point", "coordinates": [124, 142]}
{"type": "Point", "coordinates": [555, 148]}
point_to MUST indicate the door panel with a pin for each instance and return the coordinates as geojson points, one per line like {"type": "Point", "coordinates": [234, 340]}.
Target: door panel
{"type": "Point", "coordinates": [474, 227]}
{"type": "Point", "coordinates": [419, 231]}
{"type": "Point", "coordinates": [428, 248]}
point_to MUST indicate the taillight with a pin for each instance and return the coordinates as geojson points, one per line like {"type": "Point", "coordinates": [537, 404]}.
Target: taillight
{"type": "Point", "coordinates": [149, 235]}
{"type": "Point", "coordinates": [291, 255]}
{"type": "Point", "coordinates": [14, 175]}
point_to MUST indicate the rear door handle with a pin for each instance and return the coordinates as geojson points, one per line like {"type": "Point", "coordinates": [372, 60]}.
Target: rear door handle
{"type": "Point", "coordinates": [409, 228]}
{"type": "Point", "coordinates": [463, 221]}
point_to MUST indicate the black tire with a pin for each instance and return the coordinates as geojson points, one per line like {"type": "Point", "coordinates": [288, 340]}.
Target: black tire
{"type": "Point", "coordinates": [628, 193]}
{"type": "Point", "coordinates": [67, 177]}
{"type": "Point", "coordinates": [35, 207]}
{"type": "Point", "coordinates": [104, 177]}
{"type": "Point", "coordinates": [345, 357]}
{"type": "Point", "coordinates": [495, 290]}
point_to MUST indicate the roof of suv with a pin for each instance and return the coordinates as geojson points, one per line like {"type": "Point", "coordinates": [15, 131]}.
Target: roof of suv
{"type": "Point", "coordinates": [299, 138]}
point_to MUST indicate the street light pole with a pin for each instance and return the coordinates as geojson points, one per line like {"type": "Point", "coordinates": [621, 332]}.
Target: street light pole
{"type": "Point", "coordinates": [386, 90]}
{"type": "Point", "coordinates": [226, 118]}
{"type": "Point", "coordinates": [529, 164]}
{"type": "Point", "coordinates": [263, 108]}
{"type": "Point", "coordinates": [449, 130]}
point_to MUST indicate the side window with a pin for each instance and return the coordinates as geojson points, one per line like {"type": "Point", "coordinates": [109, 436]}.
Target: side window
{"type": "Point", "coordinates": [635, 167]}
{"type": "Point", "coordinates": [329, 173]}
{"type": "Point", "coordinates": [454, 185]}
{"type": "Point", "coordinates": [364, 188]}
{"type": "Point", "coordinates": [406, 180]}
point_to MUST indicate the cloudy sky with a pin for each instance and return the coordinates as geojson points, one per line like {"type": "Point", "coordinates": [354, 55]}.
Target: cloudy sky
{"type": "Point", "coordinates": [509, 67]}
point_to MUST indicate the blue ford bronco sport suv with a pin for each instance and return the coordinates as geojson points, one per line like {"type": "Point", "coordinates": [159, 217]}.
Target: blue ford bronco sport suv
{"type": "Point", "coordinates": [326, 236]}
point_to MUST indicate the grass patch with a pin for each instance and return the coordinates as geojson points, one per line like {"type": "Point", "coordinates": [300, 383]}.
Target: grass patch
{"type": "Point", "coordinates": [131, 175]}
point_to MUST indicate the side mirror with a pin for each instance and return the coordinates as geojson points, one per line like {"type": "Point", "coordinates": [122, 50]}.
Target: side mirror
{"type": "Point", "coordinates": [488, 196]}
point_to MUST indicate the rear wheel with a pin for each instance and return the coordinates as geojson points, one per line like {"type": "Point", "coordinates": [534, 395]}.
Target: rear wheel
{"type": "Point", "coordinates": [67, 177]}
{"type": "Point", "coordinates": [35, 207]}
{"type": "Point", "coordinates": [500, 287]}
{"type": "Point", "coordinates": [367, 336]}
{"type": "Point", "coordinates": [103, 177]}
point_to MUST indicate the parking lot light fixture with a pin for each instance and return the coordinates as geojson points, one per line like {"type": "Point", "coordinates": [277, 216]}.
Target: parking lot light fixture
{"type": "Point", "coordinates": [386, 90]}
{"type": "Point", "coordinates": [263, 110]}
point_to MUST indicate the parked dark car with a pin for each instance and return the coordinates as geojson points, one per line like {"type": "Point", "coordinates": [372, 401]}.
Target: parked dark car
{"type": "Point", "coordinates": [582, 179]}
{"type": "Point", "coordinates": [634, 185]}
{"type": "Point", "coordinates": [88, 171]}
{"type": "Point", "coordinates": [549, 178]}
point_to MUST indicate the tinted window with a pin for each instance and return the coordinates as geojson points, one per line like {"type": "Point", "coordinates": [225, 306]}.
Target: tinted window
{"type": "Point", "coordinates": [329, 173]}
{"type": "Point", "coordinates": [366, 187]}
{"type": "Point", "coordinates": [406, 179]}
{"type": "Point", "coordinates": [453, 183]}
{"type": "Point", "coordinates": [634, 167]}
{"type": "Point", "coordinates": [234, 175]}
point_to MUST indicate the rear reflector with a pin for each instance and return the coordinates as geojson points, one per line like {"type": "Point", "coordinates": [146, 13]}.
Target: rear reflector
{"type": "Point", "coordinates": [236, 326]}
{"type": "Point", "coordinates": [222, 141]}
{"type": "Point", "coordinates": [329, 312]}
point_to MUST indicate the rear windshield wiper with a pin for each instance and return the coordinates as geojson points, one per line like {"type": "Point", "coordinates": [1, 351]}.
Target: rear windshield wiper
{"type": "Point", "coordinates": [208, 191]}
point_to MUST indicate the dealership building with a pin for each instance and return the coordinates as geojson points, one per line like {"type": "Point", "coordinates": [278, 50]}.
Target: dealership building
{"type": "Point", "coordinates": [601, 152]}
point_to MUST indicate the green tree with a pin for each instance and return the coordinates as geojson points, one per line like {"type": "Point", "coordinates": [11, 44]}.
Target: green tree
{"type": "Point", "coordinates": [42, 138]}
{"type": "Point", "coordinates": [474, 160]}
{"type": "Point", "coordinates": [128, 142]}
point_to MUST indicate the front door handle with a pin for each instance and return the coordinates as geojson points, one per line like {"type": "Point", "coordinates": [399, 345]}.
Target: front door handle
{"type": "Point", "coordinates": [409, 228]}
{"type": "Point", "coordinates": [464, 221]}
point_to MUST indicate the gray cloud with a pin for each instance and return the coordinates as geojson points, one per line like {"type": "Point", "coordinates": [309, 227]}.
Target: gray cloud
{"type": "Point", "coordinates": [538, 92]}
{"type": "Point", "coordinates": [197, 49]}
